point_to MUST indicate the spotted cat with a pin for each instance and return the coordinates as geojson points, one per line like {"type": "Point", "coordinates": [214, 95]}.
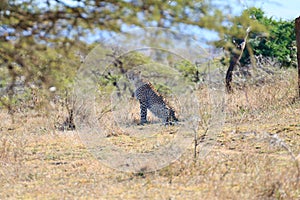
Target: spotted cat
{"type": "Point", "coordinates": [150, 99]}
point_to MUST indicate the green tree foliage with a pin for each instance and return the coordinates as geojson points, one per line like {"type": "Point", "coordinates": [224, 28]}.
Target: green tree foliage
{"type": "Point", "coordinates": [189, 70]}
{"type": "Point", "coordinates": [234, 28]}
{"type": "Point", "coordinates": [40, 39]}
{"type": "Point", "coordinates": [37, 36]}
{"type": "Point", "coordinates": [269, 38]}
{"type": "Point", "coordinates": [109, 80]}
{"type": "Point", "coordinates": [279, 43]}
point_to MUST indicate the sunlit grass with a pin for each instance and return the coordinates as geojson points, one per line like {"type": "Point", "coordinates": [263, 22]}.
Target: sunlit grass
{"type": "Point", "coordinates": [247, 162]}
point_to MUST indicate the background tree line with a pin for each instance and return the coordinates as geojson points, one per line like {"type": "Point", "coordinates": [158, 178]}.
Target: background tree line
{"type": "Point", "coordinates": [42, 42]}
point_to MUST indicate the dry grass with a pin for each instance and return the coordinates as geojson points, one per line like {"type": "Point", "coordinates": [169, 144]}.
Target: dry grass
{"type": "Point", "coordinates": [247, 162]}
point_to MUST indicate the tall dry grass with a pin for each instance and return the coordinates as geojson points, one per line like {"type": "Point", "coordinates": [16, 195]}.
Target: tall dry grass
{"type": "Point", "coordinates": [254, 156]}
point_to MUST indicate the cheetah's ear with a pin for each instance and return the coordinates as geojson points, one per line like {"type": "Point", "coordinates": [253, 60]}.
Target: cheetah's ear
{"type": "Point", "coordinates": [139, 73]}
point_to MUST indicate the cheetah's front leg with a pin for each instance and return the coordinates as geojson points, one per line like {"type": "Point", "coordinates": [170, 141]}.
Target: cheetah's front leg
{"type": "Point", "coordinates": [143, 109]}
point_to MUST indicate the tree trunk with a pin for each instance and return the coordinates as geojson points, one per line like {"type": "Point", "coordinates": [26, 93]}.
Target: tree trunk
{"type": "Point", "coordinates": [297, 29]}
{"type": "Point", "coordinates": [234, 59]}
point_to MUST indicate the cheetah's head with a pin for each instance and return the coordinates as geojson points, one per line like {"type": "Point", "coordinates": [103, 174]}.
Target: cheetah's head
{"type": "Point", "coordinates": [134, 76]}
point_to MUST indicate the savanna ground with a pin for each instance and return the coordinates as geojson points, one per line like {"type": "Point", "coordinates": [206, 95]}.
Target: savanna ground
{"type": "Point", "coordinates": [256, 155]}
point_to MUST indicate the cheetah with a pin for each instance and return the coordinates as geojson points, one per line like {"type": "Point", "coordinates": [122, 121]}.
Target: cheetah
{"type": "Point", "coordinates": [150, 99]}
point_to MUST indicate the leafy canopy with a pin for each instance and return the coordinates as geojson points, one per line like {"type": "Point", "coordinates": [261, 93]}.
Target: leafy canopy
{"type": "Point", "coordinates": [279, 43]}
{"type": "Point", "coordinates": [40, 40]}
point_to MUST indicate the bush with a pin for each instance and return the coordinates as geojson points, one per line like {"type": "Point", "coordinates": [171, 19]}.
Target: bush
{"type": "Point", "coordinates": [278, 44]}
